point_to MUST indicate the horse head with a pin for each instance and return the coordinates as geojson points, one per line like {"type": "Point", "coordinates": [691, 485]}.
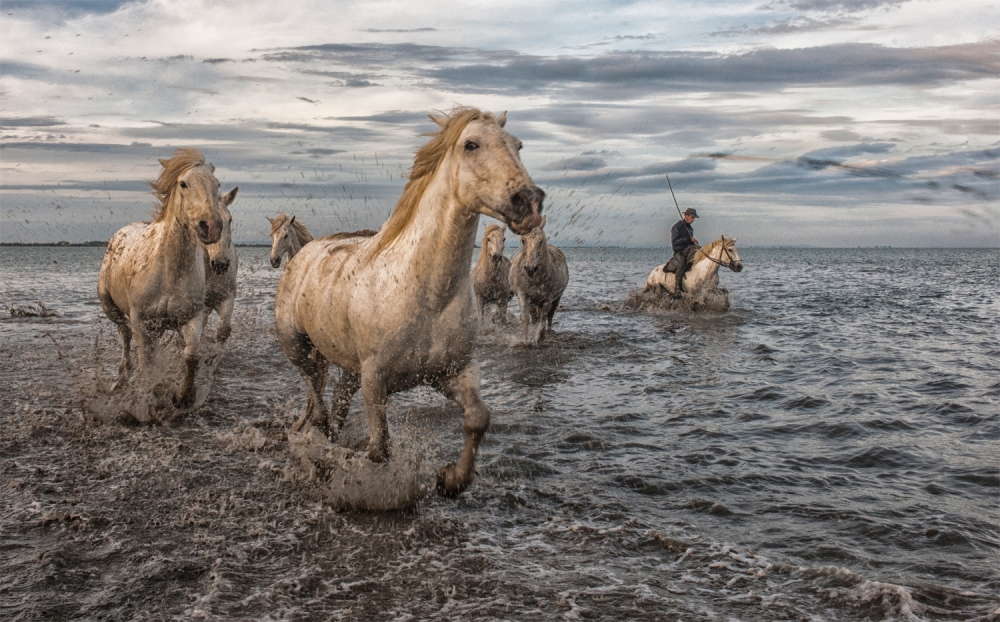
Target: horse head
{"type": "Point", "coordinates": [218, 253]}
{"type": "Point", "coordinates": [534, 249]}
{"type": "Point", "coordinates": [281, 242]}
{"type": "Point", "coordinates": [493, 242]}
{"type": "Point", "coordinates": [188, 191]}
{"type": "Point", "coordinates": [729, 251]}
{"type": "Point", "coordinates": [491, 177]}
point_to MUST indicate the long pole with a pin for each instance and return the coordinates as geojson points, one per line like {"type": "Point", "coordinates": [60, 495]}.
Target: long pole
{"type": "Point", "coordinates": [669, 185]}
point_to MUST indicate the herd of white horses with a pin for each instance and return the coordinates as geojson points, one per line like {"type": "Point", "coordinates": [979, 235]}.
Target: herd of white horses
{"type": "Point", "coordinates": [392, 309]}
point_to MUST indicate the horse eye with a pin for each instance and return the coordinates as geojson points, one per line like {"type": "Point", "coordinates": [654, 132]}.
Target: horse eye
{"type": "Point", "coordinates": [519, 145]}
{"type": "Point", "coordinates": [184, 184]}
{"type": "Point", "coordinates": [471, 145]}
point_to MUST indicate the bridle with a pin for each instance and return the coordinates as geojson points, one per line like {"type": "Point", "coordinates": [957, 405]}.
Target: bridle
{"type": "Point", "coordinates": [729, 257]}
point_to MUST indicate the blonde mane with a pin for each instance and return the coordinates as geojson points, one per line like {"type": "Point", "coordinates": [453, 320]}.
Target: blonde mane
{"type": "Point", "coordinates": [183, 160]}
{"type": "Point", "coordinates": [300, 229]}
{"type": "Point", "coordinates": [705, 251]}
{"type": "Point", "coordinates": [490, 229]}
{"type": "Point", "coordinates": [425, 165]}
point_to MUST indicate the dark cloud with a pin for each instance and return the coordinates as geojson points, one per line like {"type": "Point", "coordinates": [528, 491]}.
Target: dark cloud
{"type": "Point", "coordinates": [392, 117]}
{"type": "Point", "coordinates": [308, 101]}
{"type": "Point", "coordinates": [65, 8]}
{"type": "Point", "coordinates": [577, 163]}
{"type": "Point", "coordinates": [218, 61]}
{"type": "Point", "coordinates": [135, 148]}
{"type": "Point", "coordinates": [6, 122]}
{"type": "Point", "coordinates": [619, 74]}
{"type": "Point", "coordinates": [317, 152]}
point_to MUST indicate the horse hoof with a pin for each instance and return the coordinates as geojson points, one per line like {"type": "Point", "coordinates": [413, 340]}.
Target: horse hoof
{"type": "Point", "coordinates": [447, 482]}
{"type": "Point", "coordinates": [183, 401]}
{"type": "Point", "coordinates": [377, 455]}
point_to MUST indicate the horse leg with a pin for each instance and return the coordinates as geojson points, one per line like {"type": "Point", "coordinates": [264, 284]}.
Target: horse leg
{"type": "Point", "coordinates": [500, 316]}
{"type": "Point", "coordinates": [347, 386]}
{"type": "Point", "coordinates": [191, 332]}
{"type": "Point", "coordinates": [312, 367]}
{"type": "Point", "coordinates": [225, 312]}
{"type": "Point", "coordinates": [376, 397]}
{"type": "Point", "coordinates": [482, 306]}
{"type": "Point", "coordinates": [525, 315]}
{"type": "Point", "coordinates": [121, 322]}
{"type": "Point", "coordinates": [552, 312]}
{"type": "Point", "coordinates": [453, 478]}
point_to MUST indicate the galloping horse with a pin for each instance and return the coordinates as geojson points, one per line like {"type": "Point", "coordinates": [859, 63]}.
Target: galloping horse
{"type": "Point", "coordinates": [490, 275]}
{"type": "Point", "coordinates": [153, 275]}
{"type": "Point", "coordinates": [287, 236]}
{"type": "Point", "coordinates": [704, 268]}
{"type": "Point", "coordinates": [221, 266]}
{"type": "Point", "coordinates": [397, 310]}
{"type": "Point", "coordinates": [538, 275]}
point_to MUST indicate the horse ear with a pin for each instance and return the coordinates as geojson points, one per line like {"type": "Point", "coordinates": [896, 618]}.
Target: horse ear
{"type": "Point", "coordinates": [503, 228]}
{"type": "Point", "coordinates": [230, 196]}
{"type": "Point", "coordinates": [162, 162]}
{"type": "Point", "coordinates": [269, 220]}
{"type": "Point", "coordinates": [734, 239]}
{"type": "Point", "coordinates": [439, 120]}
{"type": "Point", "coordinates": [291, 220]}
{"type": "Point", "coordinates": [502, 119]}
{"type": "Point", "coordinates": [211, 166]}
{"type": "Point", "coordinates": [542, 226]}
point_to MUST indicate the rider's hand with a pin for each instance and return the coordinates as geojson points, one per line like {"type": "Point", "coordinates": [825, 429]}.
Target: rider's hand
{"type": "Point", "coordinates": [695, 240]}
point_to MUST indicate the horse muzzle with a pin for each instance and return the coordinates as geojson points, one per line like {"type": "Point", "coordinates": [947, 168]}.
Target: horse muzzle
{"type": "Point", "coordinates": [737, 267]}
{"type": "Point", "coordinates": [209, 232]}
{"type": "Point", "coordinates": [275, 262]}
{"type": "Point", "coordinates": [221, 266]}
{"type": "Point", "coordinates": [531, 270]}
{"type": "Point", "coordinates": [526, 207]}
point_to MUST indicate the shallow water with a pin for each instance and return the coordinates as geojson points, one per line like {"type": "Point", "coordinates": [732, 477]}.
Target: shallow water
{"type": "Point", "coordinates": [827, 447]}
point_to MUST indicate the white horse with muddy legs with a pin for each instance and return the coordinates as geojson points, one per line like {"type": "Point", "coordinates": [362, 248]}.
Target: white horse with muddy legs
{"type": "Point", "coordinates": [153, 275]}
{"type": "Point", "coordinates": [221, 266]}
{"type": "Point", "coordinates": [287, 236]}
{"type": "Point", "coordinates": [397, 310]}
{"type": "Point", "coordinates": [491, 274]}
{"type": "Point", "coordinates": [704, 270]}
{"type": "Point", "coordinates": [538, 275]}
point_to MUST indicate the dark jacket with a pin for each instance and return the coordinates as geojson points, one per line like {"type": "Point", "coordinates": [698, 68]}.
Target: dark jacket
{"type": "Point", "coordinates": [681, 236]}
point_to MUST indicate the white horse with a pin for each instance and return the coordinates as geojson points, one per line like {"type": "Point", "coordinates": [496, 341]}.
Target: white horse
{"type": "Point", "coordinates": [704, 269]}
{"type": "Point", "coordinates": [397, 310]}
{"type": "Point", "coordinates": [490, 275]}
{"type": "Point", "coordinates": [287, 236]}
{"type": "Point", "coordinates": [153, 275]}
{"type": "Point", "coordinates": [221, 266]}
{"type": "Point", "coordinates": [538, 275]}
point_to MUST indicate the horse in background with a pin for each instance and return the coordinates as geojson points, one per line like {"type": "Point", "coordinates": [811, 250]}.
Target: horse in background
{"type": "Point", "coordinates": [152, 278]}
{"type": "Point", "coordinates": [538, 275]}
{"type": "Point", "coordinates": [490, 275]}
{"type": "Point", "coordinates": [287, 236]}
{"type": "Point", "coordinates": [397, 310]}
{"type": "Point", "coordinates": [221, 266]}
{"type": "Point", "coordinates": [704, 270]}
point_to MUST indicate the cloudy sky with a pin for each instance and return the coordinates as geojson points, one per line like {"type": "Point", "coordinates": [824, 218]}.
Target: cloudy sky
{"type": "Point", "coordinates": [786, 122]}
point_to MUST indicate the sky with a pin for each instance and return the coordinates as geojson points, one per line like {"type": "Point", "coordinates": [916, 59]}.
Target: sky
{"type": "Point", "coordinates": [834, 123]}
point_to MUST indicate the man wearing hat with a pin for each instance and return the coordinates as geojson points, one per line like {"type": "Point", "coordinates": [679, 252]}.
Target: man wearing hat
{"type": "Point", "coordinates": [685, 245]}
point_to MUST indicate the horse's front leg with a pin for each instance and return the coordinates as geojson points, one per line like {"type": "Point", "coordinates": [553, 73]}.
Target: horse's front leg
{"type": "Point", "coordinates": [225, 311]}
{"type": "Point", "coordinates": [522, 301]}
{"type": "Point", "coordinates": [376, 396]}
{"type": "Point", "coordinates": [347, 386]}
{"type": "Point", "coordinates": [191, 332]}
{"type": "Point", "coordinates": [453, 478]}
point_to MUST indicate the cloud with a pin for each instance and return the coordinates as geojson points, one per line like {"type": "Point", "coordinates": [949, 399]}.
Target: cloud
{"type": "Point", "coordinates": [841, 6]}
{"type": "Point", "coordinates": [6, 122]}
{"type": "Point", "coordinates": [398, 30]}
{"type": "Point", "coordinates": [793, 25]}
{"type": "Point", "coordinates": [577, 163]}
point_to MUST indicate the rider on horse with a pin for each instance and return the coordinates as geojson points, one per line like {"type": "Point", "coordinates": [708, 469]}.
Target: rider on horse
{"type": "Point", "coordinates": [684, 244]}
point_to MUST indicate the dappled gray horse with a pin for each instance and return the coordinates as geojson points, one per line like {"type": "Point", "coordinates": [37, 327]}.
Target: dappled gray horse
{"type": "Point", "coordinates": [397, 310]}
{"type": "Point", "coordinates": [490, 275]}
{"type": "Point", "coordinates": [538, 276]}
{"type": "Point", "coordinates": [153, 275]}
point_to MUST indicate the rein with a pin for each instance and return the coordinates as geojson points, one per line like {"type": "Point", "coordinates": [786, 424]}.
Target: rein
{"type": "Point", "coordinates": [725, 249]}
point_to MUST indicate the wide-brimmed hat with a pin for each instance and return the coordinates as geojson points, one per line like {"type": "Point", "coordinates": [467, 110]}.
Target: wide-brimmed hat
{"type": "Point", "coordinates": [690, 212]}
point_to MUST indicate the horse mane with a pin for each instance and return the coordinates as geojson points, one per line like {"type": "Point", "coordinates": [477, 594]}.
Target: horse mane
{"type": "Point", "coordinates": [183, 160]}
{"type": "Point", "coordinates": [425, 165]}
{"type": "Point", "coordinates": [490, 229]}
{"type": "Point", "coordinates": [300, 229]}
{"type": "Point", "coordinates": [705, 251]}
{"type": "Point", "coordinates": [341, 235]}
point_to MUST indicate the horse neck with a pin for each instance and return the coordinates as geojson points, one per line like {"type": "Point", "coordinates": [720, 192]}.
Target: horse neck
{"type": "Point", "coordinates": [294, 243]}
{"type": "Point", "coordinates": [438, 242]}
{"type": "Point", "coordinates": [705, 268]}
{"type": "Point", "coordinates": [177, 244]}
